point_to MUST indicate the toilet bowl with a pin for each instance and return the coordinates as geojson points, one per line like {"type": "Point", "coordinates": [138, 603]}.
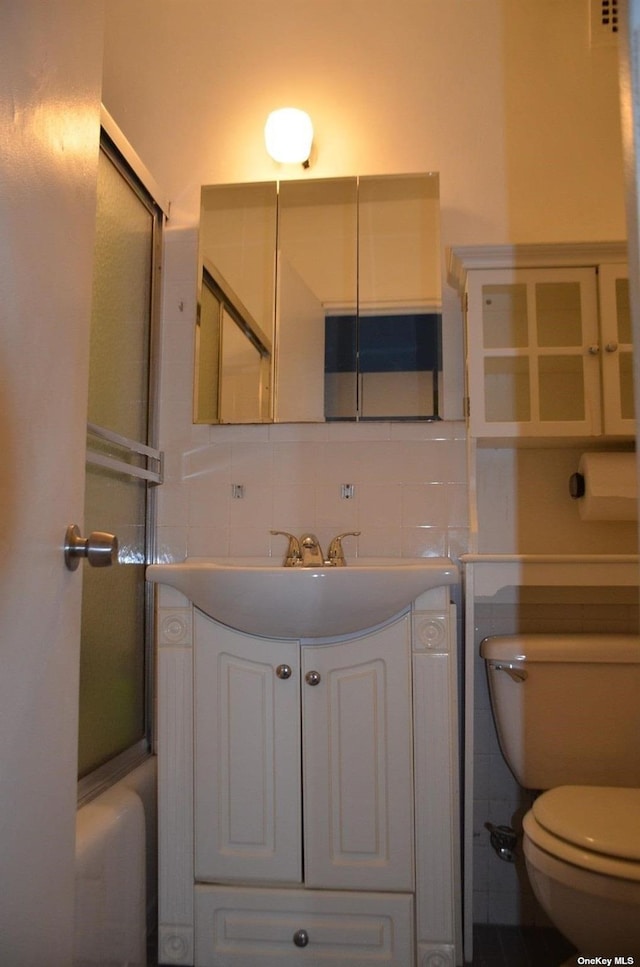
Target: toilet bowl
{"type": "Point", "coordinates": [567, 715]}
{"type": "Point", "coordinates": [582, 853]}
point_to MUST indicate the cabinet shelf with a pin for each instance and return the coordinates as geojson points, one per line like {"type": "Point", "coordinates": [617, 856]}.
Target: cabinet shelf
{"type": "Point", "coordinates": [493, 572]}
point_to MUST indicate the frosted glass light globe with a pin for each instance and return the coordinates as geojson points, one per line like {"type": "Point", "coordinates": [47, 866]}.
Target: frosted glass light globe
{"type": "Point", "coordinates": [288, 135]}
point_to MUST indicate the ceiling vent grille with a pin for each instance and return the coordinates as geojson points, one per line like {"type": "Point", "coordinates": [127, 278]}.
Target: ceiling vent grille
{"type": "Point", "coordinates": [605, 22]}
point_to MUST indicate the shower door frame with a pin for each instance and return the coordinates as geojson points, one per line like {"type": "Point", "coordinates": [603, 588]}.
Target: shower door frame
{"type": "Point", "coordinates": [126, 160]}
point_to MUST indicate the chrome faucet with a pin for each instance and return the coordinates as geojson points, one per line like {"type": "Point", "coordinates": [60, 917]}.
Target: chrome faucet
{"type": "Point", "coordinates": [293, 557]}
{"type": "Point", "coordinates": [335, 555]}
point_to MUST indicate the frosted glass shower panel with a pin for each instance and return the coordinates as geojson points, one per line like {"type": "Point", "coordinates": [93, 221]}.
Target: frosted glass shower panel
{"type": "Point", "coordinates": [119, 355]}
{"type": "Point", "coordinates": [207, 375]}
{"type": "Point", "coordinates": [112, 710]}
{"type": "Point", "coordinates": [241, 392]}
{"type": "Point", "coordinates": [113, 717]}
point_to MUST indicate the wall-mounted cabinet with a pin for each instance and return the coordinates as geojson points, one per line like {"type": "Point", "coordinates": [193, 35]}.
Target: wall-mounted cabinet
{"type": "Point", "coordinates": [548, 340]}
{"type": "Point", "coordinates": [319, 301]}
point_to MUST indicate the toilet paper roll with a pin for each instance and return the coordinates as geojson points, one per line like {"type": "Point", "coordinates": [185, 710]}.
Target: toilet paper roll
{"type": "Point", "coordinates": [610, 486]}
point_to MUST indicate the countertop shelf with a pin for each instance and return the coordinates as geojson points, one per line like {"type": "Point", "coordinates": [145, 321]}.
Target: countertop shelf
{"type": "Point", "coordinates": [492, 572]}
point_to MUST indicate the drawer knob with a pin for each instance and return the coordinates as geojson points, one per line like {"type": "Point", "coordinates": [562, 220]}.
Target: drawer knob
{"type": "Point", "coordinates": [301, 938]}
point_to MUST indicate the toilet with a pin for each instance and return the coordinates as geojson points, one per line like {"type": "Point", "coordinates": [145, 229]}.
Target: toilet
{"type": "Point", "coordinates": [567, 714]}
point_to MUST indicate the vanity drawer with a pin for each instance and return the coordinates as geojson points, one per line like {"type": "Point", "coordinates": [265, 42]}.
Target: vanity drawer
{"type": "Point", "coordinates": [238, 927]}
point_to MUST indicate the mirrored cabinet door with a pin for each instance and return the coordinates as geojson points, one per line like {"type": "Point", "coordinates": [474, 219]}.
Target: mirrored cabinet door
{"type": "Point", "coordinates": [320, 300]}
{"type": "Point", "coordinates": [399, 296]}
{"type": "Point", "coordinates": [317, 295]}
{"type": "Point", "coordinates": [235, 324]}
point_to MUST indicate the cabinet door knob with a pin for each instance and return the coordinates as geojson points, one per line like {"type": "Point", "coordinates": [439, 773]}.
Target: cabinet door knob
{"type": "Point", "coordinates": [594, 350]}
{"type": "Point", "coordinates": [301, 938]}
{"type": "Point", "coordinates": [611, 347]}
{"type": "Point", "coordinates": [312, 678]}
{"type": "Point", "coordinates": [284, 671]}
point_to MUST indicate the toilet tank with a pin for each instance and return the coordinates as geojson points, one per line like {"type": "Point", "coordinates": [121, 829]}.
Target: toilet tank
{"type": "Point", "coordinates": [567, 707]}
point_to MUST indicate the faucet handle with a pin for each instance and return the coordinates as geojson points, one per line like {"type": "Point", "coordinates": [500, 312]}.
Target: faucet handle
{"type": "Point", "coordinates": [294, 554]}
{"type": "Point", "coordinates": [335, 554]}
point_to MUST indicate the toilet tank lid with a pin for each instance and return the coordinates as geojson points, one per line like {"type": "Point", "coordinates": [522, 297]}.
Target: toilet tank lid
{"type": "Point", "coordinates": [606, 648]}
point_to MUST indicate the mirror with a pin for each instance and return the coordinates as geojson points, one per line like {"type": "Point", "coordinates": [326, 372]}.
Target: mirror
{"type": "Point", "coordinates": [319, 300]}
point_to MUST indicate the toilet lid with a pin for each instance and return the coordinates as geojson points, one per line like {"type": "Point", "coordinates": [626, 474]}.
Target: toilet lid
{"type": "Point", "coordinates": [600, 819]}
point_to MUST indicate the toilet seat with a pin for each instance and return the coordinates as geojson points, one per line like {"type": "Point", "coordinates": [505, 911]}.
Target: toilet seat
{"type": "Point", "coordinates": [593, 828]}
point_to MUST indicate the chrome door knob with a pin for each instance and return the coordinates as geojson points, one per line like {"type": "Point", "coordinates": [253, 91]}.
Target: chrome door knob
{"type": "Point", "coordinates": [99, 548]}
{"type": "Point", "coordinates": [312, 678]}
{"type": "Point", "coordinates": [301, 938]}
{"type": "Point", "coordinates": [284, 671]}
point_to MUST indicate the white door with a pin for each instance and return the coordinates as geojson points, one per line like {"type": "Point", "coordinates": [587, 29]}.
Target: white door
{"type": "Point", "coordinates": [247, 756]}
{"type": "Point", "coordinates": [50, 83]}
{"type": "Point", "coordinates": [357, 761]}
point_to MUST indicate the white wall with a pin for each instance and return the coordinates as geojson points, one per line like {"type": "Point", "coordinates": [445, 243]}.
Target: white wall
{"type": "Point", "coordinates": [50, 65]}
{"type": "Point", "coordinates": [505, 100]}
{"type": "Point", "coordinates": [524, 505]}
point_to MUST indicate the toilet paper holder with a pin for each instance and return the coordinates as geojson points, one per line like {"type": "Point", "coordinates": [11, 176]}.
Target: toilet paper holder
{"type": "Point", "coordinates": [577, 485]}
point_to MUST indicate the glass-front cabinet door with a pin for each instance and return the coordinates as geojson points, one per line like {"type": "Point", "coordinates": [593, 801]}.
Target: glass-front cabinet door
{"type": "Point", "coordinates": [533, 348]}
{"type": "Point", "coordinates": [616, 350]}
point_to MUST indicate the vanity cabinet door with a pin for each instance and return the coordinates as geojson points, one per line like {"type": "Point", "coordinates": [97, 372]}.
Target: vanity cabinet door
{"type": "Point", "coordinates": [357, 762]}
{"type": "Point", "coordinates": [247, 756]}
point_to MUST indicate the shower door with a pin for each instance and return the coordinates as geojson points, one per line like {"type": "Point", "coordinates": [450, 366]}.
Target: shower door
{"type": "Point", "coordinates": [121, 469]}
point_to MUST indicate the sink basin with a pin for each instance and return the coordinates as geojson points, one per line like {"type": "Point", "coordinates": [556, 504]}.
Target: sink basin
{"type": "Point", "coordinates": [261, 597]}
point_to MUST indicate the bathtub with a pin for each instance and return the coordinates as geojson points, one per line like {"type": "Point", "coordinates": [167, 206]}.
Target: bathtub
{"type": "Point", "coordinates": [116, 872]}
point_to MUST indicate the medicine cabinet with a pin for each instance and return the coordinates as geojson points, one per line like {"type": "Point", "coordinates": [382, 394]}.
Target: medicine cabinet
{"type": "Point", "coordinates": [319, 300]}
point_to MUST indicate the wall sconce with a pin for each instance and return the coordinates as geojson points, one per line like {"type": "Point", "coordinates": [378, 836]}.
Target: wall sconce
{"type": "Point", "coordinates": [288, 135]}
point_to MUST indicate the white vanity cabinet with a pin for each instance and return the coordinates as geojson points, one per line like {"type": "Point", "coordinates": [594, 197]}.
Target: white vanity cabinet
{"type": "Point", "coordinates": [321, 822]}
{"type": "Point", "coordinates": [548, 338]}
{"type": "Point", "coordinates": [354, 702]}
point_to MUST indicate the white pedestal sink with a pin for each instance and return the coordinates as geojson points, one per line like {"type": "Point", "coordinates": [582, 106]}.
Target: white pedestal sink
{"type": "Point", "coordinates": [261, 597]}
